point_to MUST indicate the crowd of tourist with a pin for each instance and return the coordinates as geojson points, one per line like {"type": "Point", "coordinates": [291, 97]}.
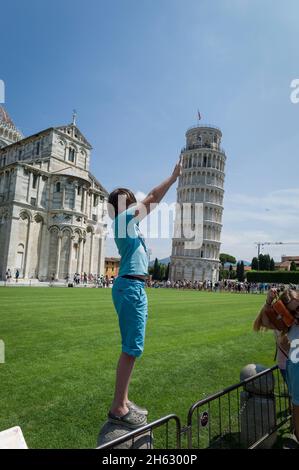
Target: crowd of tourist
{"type": "Point", "coordinates": [219, 286]}
{"type": "Point", "coordinates": [103, 281]}
{"type": "Point", "coordinates": [91, 280]}
{"type": "Point", "coordinates": [231, 286]}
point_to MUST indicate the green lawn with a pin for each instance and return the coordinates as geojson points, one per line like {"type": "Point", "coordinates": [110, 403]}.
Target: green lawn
{"type": "Point", "coordinates": [62, 347]}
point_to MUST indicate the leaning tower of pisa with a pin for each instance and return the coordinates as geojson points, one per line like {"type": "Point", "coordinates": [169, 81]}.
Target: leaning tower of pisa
{"type": "Point", "coordinates": [202, 181]}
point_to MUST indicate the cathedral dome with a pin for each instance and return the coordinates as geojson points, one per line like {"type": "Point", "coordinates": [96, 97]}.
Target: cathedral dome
{"type": "Point", "coordinates": [9, 134]}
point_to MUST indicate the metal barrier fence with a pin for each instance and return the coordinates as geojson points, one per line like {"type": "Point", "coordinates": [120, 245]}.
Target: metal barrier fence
{"type": "Point", "coordinates": [167, 435]}
{"type": "Point", "coordinates": [244, 415]}
{"type": "Point", "coordinates": [236, 418]}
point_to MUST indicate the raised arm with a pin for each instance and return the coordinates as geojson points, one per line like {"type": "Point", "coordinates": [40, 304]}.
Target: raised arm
{"type": "Point", "coordinates": [156, 194]}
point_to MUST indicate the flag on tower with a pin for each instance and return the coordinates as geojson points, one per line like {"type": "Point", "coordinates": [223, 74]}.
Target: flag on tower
{"type": "Point", "coordinates": [198, 115]}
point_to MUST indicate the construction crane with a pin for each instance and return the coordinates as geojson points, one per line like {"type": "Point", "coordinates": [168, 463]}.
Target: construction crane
{"type": "Point", "coordinates": [261, 244]}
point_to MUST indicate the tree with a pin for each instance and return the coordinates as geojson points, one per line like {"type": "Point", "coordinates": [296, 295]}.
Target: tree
{"type": "Point", "coordinates": [240, 271]}
{"type": "Point", "coordinates": [272, 265]}
{"type": "Point", "coordinates": [267, 262]}
{"type": "Point", "coordinates": [156, 270]}
{"type": "Point", "coordinates": [167, 273]}
{"type": "Point", "coordinates": [162, 271]}
{"type": "Point", "coordinates": [225, 274]}
{"type": "Point", "coordinates": [261, 263]}
{"type": "Point", "coordinates": [264, 262]}
{"type": "Point", "coordinates": [231, 273]}
{"type": "Point", "coordinates": [293, 266]}
{"type": "Point", "coordinates": [255, 264]}
{"type": "Point", "coordinates": [159, 271]}
{"type": "Point", "coordinates": [226, 258]}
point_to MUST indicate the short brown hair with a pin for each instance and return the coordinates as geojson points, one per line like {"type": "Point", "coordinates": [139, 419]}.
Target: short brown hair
{"type": "Point", "coordinates": [113, 198]}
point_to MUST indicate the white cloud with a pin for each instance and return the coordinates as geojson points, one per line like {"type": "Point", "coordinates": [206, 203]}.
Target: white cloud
{"type": "Point", "coordinates": [272, 217]}
{"type": "Point", "coordinates": [284, 198]}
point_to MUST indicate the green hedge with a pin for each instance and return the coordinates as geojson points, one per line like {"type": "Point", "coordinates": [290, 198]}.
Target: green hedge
{"type": "Point", "coordinates": [283, 277]}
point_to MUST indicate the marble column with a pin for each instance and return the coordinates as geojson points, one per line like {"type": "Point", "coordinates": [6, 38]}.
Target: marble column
{"type": "Point", "coordinates": [100, 267]}
{"type": "Point", "coordinates": [82, 199]}
{"type": "Point", "coordinates": [58, 255]}
{"type": "Point", "coordinates": [79, 260]}
{"type": "Point", "coordinates": [9, 188]}
{"type": "Point", "coordinates": [75, 196]}
{"type": "Point", "coordinates": [51, 193]}
{"type": "Point", "coordinates": [29, 186]}
{"type": "Point", "coordinates": [38, 190]}
{"type": "Point", "coordinates": [91, 204]}
{"type": "Point", "coordinates": [86, 203]}
{"type": "Point", "coordinates": [71, 256]}
{"type": "Point", "coordinates": [90, 256]}
{"type": "Point", "coordinates": [2, 176]}
{"type": "Point", "coordinates": [63, 196]}
{"type": "Point", "coordinates": [40, 253]}
{"type": "Point", "coordinates": [27, 250]}
{"type": "Point", "coordinates": [83, 255]}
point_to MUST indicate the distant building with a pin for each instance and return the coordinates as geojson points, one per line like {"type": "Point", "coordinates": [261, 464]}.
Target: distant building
{"type": "Point", "coordinates": [226, 266]}
{"type": "Point", "coordinates": [285, 263]}
{"type": "Point", "coordinates": [112, 266]}
{"type": "Point", "coordinates": [51, 207]}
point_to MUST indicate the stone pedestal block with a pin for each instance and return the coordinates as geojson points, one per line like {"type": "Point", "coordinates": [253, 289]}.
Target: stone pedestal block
{"type": "Point", "coordinates": [257, 418]}
{"type": "Point", "coordinates": [111, 431]}
{"type": "Point", "coordinates": [257, 407]}
{"type": "Point", "coordinates": [262, 385]}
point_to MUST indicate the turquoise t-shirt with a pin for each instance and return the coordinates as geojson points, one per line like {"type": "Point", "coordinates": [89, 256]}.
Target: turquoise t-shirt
{"type": "Point", "coordinates": [130, 244]}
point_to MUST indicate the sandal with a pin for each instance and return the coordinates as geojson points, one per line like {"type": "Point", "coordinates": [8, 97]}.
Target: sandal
{"type": "Point", "coordinates": [131, 420]}
{"type": "Point", "coordinates": [132, 406]}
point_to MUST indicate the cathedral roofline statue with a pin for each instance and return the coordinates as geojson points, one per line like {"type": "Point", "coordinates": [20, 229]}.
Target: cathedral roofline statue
{"type": "Point", "coordinates": [9, 133]}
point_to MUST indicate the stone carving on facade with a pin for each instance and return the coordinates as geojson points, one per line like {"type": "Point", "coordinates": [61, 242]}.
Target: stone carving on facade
{"type": "Point", "coordinates": [61, 218]}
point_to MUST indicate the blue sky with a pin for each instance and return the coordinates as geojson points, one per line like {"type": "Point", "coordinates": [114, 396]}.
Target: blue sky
{"type": "Point", "coordinates": [137, 70]}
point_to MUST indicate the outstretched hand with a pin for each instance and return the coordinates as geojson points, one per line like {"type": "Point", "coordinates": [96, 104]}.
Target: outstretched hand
{"type": "Point", "coordinates": [156, 195]}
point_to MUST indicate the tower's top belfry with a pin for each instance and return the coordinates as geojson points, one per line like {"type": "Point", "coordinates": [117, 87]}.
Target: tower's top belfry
{"type": "Point", "coordinates": [9, 134]}
{"type": "Point", "coordinates": [203, 136]}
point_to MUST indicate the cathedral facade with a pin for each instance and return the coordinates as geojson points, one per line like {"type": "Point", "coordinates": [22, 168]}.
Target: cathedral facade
{"type": "Point", "coordinates": [51, 207]}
